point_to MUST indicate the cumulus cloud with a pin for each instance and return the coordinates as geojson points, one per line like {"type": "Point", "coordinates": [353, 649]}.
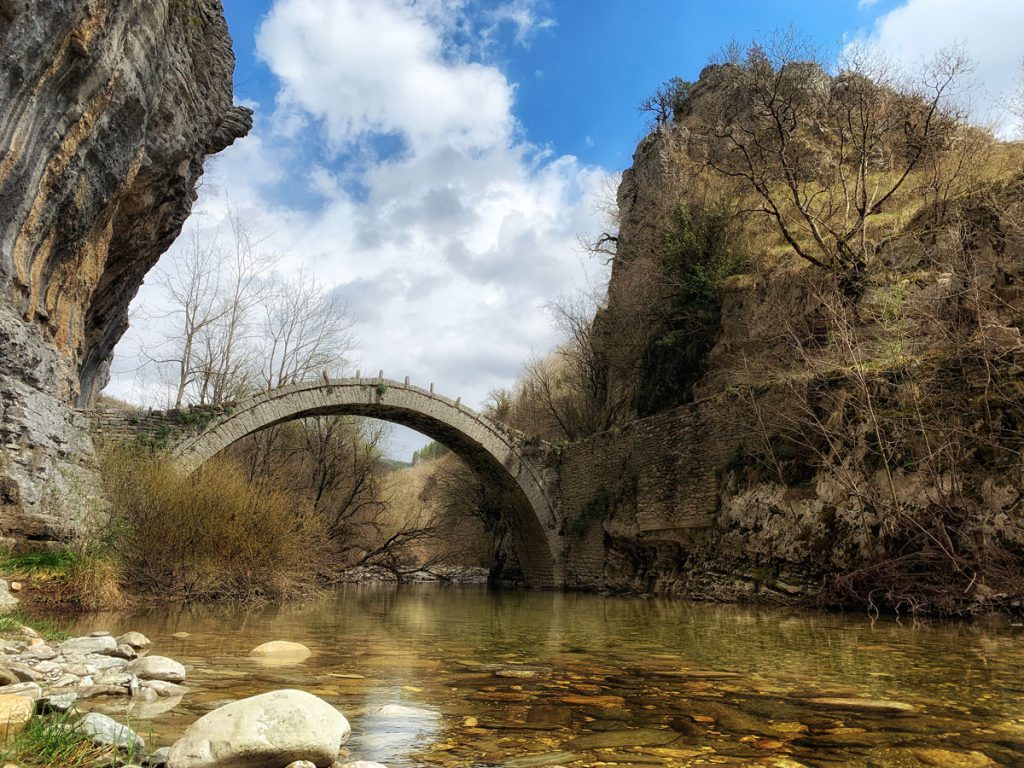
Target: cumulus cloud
{"type": "Point", "coordinates": [989, 30]}
{"type": "Point", "coordinates": [392, 166]}
{"type": "Point", "coordinates": [377, 67]}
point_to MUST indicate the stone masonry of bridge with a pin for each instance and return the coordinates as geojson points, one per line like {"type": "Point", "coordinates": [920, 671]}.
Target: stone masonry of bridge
{"type": "Point", "coordinates": [519, 471]}
{"type": "Point", "coordinates": [654, 482]}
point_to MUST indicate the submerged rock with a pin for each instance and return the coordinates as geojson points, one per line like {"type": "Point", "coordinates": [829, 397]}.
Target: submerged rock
{"type": "Point", "coordinates": [265, 731]}
{"type": "Point", "coordinates": [945, 758]}
{"type": "Point", "coordinates": [281, 652]}
{"type": "Point", "coordinates": [872, 705]}
{"type": "Point", "coordinates": [410, 713]}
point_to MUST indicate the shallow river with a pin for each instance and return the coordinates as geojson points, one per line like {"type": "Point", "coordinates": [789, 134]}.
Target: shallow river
{"type": "Point", "coordinates": [525, 679]}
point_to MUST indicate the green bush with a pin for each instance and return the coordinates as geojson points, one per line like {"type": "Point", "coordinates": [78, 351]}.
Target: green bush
{"type": "Point", "coordinates": [697, 253]}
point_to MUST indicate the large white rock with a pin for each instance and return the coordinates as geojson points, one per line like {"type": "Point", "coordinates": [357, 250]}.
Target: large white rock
{"type": "Point", "coordinates": [105, 730]}
{"type": "Point", "coordinates": [265, 731]}
{"type": "Point", "coordinates": [157, 668]}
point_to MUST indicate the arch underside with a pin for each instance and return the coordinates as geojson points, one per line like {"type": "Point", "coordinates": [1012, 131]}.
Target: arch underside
{"type": "Point", "coordinates": [517, 486]}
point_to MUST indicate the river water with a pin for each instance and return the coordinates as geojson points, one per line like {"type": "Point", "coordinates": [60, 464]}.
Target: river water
{"type": "Point", "coordinates": [522, 679]}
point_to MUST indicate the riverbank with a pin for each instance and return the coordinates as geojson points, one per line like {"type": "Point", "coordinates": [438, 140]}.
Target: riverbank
{"type": "Point", "coordinates": [51, 694]}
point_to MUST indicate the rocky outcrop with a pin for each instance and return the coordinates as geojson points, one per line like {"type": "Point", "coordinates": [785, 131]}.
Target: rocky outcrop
{"type": "Point", "coordinates": [110, 109]}
{"type": "Point", "coordinates": [846, 441]}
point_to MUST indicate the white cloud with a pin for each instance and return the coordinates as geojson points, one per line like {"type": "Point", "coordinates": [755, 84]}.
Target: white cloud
{"type": "Point", "coordinates": [523, 15]}
{"type": "Point", "coordinates": [989, 29]}
{"type": "Point", "coordinates": [447, 250]}
{"type": "Point", "coordinates": [380, 67]}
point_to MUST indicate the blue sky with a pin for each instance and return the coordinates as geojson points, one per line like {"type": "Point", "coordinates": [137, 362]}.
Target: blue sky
{"type": "Point", "coordinates": [579, 79]}
{"type": "Point", "coordinates": [435, 162]}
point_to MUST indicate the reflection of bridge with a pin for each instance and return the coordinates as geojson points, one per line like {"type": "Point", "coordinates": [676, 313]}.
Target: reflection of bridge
{"type": "Point", "coordinates": [515, 468]}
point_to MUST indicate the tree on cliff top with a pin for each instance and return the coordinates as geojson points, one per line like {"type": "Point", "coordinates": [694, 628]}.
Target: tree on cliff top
{"type": "Point", "coordinates": [824, 156]}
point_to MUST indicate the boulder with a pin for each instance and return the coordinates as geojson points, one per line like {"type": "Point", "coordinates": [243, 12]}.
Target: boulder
{"type": "Point", "coordinates": [107, 731]}
{"type": "Point", "coordinates": [32, 690]}
{"type": "Point", "coordinates": [8, 602]}
{"type": "Point", "coordinates": [125, 651]}
{"type": "Point", "coordinates": [15, 712]}
{"type": "Point", "coordinates": [157, 668]}
{"type": "Point", "coordinates": [104, 644]}
{"type": "Point", "coordinates": [136, 640]}
{"type": "Point", "coordinates": [265, 731]}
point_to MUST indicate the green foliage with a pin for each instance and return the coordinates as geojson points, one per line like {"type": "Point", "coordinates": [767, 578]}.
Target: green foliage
{"type": "Point", "coordinates": [80, 579]}
{"type": "Point", "coordinates": [199, 419]}
{"type": "Point", "coordinates": [667, 102]}
{"type": "Point", "coordinates": [429, 452]}
{"type": "Point", "coordinates": [48, 628]}
{"type": "Point", "coordinates": [697, 254]}
{"type": "Point", "coordinates": [594, 511]}
{"type": "Point", "coordinates": [39, 561]}
{"type": "Point", "coordinates": [58, 741]}
{"type": "Point", "coordinates": [158, 439]}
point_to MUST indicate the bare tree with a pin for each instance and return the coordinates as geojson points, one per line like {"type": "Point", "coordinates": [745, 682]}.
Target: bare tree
{"type": "Point", "coordinates": [667, 102]}
{"type": "Point", "coordinates": [191, 288]}
{"type": "Point", "coordinates": [824, 156]}
{"type": "Point", "coordinates": [228, 359]}
{"type": "Point", "coordinates": [305, 332]}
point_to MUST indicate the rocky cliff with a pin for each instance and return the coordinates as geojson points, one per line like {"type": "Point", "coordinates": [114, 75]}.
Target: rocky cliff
{"type": "Point", "coordinates": [110, 109]}
{"type": "Point", "coordinates": [843, 442]}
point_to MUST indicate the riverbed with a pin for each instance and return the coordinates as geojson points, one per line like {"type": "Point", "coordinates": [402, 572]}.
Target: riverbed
{"type": "Point", "coordinates": [463, 676]}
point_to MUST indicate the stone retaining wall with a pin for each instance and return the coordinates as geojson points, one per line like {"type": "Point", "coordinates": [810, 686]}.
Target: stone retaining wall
{"type": "Point", "coordinates": [656, 480]}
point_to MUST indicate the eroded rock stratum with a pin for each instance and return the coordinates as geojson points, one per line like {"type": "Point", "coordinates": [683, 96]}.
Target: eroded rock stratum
{"type": "Point", "coordinates": [110, 108]}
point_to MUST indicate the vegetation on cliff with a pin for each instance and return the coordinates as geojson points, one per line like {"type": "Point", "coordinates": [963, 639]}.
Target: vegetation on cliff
{"type": "Point", "coordinates": [836, 249]}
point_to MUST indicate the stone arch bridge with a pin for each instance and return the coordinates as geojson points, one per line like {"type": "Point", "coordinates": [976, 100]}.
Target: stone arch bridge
{"type": "Point", "coordinates": [520, 471]}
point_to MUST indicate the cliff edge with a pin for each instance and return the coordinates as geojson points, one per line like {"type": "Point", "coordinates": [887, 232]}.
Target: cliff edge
{"type": "Point", "coordinates": [110, 109]}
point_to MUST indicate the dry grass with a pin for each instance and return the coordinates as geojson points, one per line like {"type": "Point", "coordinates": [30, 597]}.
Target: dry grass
{"type": "Point", "coordinates": [86, 579]}
{"type": "Point", "coordinates": [209, 536]}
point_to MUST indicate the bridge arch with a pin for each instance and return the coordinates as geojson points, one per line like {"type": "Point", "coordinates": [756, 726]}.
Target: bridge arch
{"type": "Point", "coordinates": [508, 463]}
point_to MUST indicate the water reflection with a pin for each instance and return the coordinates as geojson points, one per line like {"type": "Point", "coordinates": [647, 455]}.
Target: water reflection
{"type": "Point", "coordinates": [434, 675]}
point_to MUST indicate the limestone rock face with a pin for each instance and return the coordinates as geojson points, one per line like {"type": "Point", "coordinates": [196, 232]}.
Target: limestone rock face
{"type": "Point", "coordinates": [110, 108]}
{"type": "Point", "coordinates": [265, 731]}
